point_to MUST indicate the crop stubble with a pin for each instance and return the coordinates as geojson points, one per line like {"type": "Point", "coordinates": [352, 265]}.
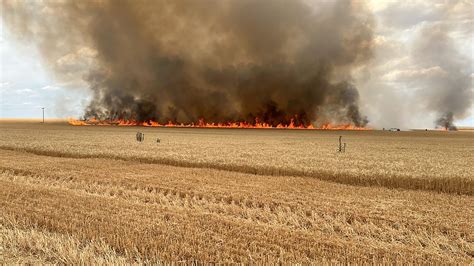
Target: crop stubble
{"type": "Point", "coordinates": [94, 195]}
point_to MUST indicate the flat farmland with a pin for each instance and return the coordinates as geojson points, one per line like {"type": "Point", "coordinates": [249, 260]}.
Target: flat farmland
{"type": "Point", "coordinates": [93, 194]}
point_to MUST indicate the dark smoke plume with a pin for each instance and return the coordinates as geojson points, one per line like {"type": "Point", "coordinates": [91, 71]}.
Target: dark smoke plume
{"type": "Point", "coordinates": [446, 88]}
{"type": "Point", "coordinates": [446, 121]}
{"type": "Point", "coordinates": [217, 60]}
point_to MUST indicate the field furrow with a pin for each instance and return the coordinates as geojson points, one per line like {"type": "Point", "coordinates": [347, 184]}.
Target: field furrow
{"type": "Point", "coordinates": [335, 219]}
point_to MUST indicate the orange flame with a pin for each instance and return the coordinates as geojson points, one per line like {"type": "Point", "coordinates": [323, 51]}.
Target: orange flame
{"type": "Point", "coordinates": [202, 124]}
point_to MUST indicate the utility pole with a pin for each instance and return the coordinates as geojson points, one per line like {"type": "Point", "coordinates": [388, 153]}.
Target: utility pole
{"type": "Point", "coordinates": [43, 114]}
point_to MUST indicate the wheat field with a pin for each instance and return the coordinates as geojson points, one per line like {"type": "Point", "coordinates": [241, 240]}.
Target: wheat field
{"type": "Point", "coordinates": [95, 195]}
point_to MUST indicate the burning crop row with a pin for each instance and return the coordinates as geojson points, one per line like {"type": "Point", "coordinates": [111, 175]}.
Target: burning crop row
{"type": "Point", "coordinates": [203, 124]}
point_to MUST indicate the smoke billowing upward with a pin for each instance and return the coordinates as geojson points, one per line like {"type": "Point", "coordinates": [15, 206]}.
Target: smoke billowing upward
{"type": "Point", "coordinates": [446, 121]}
{"type": "Point", "coordinates": [228, 60]}
{"type": "Point", "coordinates": [447, 90]}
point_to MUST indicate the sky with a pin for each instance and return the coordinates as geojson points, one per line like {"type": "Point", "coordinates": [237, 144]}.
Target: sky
{"type": "Point", "coordinates": [27, 84]}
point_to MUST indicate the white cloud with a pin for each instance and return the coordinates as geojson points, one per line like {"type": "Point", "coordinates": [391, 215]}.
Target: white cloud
{"type": "Point", "coordinates": [50, 88]}
{"type": "Point", "coordinates": [24, 91]}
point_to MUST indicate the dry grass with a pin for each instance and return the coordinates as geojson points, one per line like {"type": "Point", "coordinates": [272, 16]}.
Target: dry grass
{"type": "Point", "coordinates": [438, 161]}
{"type": "Point", "coordinates": [96, 209]}
{"type": "Point", "coordinates": [33, 246]}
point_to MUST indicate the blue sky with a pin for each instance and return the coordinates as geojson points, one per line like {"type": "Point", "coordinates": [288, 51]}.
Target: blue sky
{"type": "Point", "coordinates": [27, 84]}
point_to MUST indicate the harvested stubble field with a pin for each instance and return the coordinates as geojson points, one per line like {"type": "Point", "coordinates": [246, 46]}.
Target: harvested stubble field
{"type": "Point", "coordinates": [95, 195]}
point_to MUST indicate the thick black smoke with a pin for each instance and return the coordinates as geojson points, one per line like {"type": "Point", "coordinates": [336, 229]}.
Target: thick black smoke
{"type": "Point", "coordinates": [217, 60]}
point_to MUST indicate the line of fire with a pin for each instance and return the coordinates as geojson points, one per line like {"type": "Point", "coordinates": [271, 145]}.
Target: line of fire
{"type": "Point", "coordinates": [203, 124]}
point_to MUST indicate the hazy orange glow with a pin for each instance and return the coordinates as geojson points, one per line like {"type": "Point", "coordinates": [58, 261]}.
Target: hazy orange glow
{"type": "Point", "coordinates": [202, 124]}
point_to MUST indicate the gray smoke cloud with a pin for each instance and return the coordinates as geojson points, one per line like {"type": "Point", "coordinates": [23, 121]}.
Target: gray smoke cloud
{"type": "Point", "coordinates": [446, 87]}
{"type": "Point", "coordinates": [422, 68]}
{"type": "Point", "coordinates": [228, 60]}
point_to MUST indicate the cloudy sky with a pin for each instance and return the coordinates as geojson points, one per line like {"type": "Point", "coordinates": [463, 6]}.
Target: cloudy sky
{"type": "Point", "coordinates": [393, 86]}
